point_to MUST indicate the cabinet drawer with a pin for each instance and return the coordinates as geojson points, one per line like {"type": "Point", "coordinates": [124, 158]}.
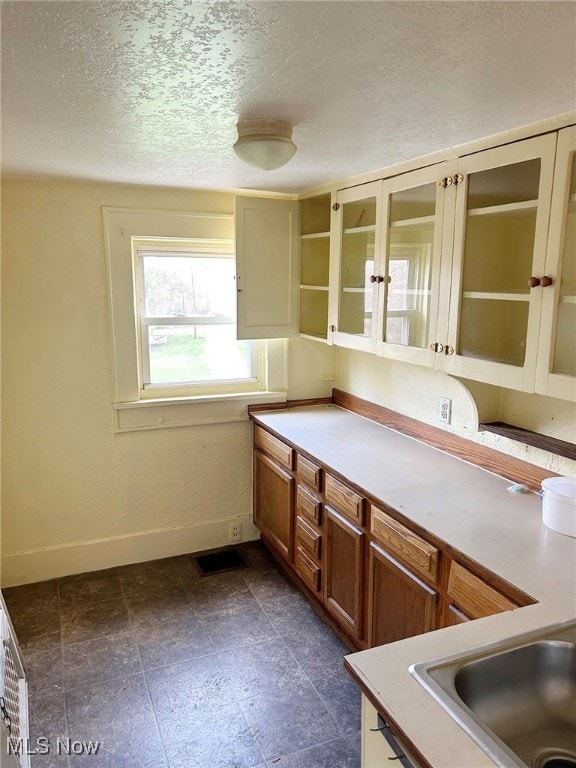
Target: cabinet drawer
{"type": "Point", "coordinates": [309, 473]}
{"type": "Point", "coordinates": [344, 499]}
{"type": "Point", "coordinates": [421, 556]}
{"type": "Point", "coordinates": [308, 537]}
{"type": "Point", "coordinates": [308, 505]}
{"type": "Point", "coordinates": [473, 596]}
{"type": "Point", "coordinates": [307, 569]}
{"type": "Point", "coordinates": [269, 444]}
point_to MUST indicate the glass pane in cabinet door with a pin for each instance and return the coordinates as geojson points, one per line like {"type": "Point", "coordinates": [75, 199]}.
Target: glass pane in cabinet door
{"type": "Point", "coordinates": [565, 346]}
{"type": "Point", "coordinates": [498, 253]}
{"type": "Point", "coordinates": [410, 250]}
{"type": "Point", "coordinates": [357, 266]}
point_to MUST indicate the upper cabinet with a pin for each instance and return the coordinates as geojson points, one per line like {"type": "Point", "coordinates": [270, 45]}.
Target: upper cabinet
{"type": "Point", "coordinates": [356, 265]}
{"type": "Point", "coordinates": [466, 266]}
{"type": "Point", "coordinates": [266, 267]}
{"type": "Point", "coordinates": [556, 373]}
{"type": "Point", "coordinates": [502, 210]}
{"type": "Point", "coordinates": [413, 246]}
{"type": "Point", "coordinates": [314, 266]}
{"type": "Point", "coordinates": [451, 266]}
{"type": "Point", "coordinates": [387, 254]}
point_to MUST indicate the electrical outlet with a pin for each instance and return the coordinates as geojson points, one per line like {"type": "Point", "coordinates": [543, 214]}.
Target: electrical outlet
{"type": "Point", "coordinates": [235, 531]}
{"type": "Point", "coordinates": [445, 410]}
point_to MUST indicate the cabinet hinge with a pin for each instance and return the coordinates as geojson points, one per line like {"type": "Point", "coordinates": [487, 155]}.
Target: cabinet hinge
{"type": "Point", "coordinates": [447, 181]}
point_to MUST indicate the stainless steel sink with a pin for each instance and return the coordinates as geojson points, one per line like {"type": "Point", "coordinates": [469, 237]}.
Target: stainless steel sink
{"type": "Point", "coordinates": [516, 699]}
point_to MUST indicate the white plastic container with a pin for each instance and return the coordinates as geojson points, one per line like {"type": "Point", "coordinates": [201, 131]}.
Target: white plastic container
{"type": "Point", "coordinates": [559, 504]}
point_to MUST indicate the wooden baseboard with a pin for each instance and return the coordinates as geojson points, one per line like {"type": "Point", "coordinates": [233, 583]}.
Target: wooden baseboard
{"type": "Point", "coordinates": [502, 464]}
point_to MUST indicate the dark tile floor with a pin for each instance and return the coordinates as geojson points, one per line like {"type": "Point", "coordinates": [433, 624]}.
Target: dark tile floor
{"type": "Point", "coordinates": [168, 669]}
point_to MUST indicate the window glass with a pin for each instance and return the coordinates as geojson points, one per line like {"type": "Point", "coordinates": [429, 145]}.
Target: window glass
{"type": "Point", "coordinates": [188, 320]}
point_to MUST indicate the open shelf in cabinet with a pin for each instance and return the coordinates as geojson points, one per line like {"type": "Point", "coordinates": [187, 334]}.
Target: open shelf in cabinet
{"type": "Point", "coordinates": [526, 207]}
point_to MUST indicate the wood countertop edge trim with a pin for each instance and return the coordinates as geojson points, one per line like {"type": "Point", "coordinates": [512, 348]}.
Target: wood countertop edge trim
{"type": "Point", "coordinates": [383, 712]}
{"type": "Point", "coordinates": [501, 464]}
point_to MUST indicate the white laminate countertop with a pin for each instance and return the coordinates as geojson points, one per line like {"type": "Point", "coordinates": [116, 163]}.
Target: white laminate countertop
{"type": "Point", "coordinates": [469, 509]}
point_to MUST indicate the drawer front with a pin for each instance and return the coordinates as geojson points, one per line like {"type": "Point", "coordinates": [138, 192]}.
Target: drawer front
{"type": "Point", "coordinates": [269, 444]}
{"type": "Point", "coordinates": [309, 473]}
{"type": "Point", "coordinates": [308, 570]}
{"type": "Point", "coordinates": [474, 596]}
{"type": "Point", "coordinates": [418, 554]}
{"type": "Point", "coordinates": [344, 499]}
{"type": "Point", "coordinates": [308, 505]}
{"type": "Point", "coordinates": [308, 537]}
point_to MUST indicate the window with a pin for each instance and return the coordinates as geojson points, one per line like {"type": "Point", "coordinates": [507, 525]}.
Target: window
{"type": "Point", "coordinates": [186, 306]}
{"type": "Point", "coordinates": [408, 295]}
{"type": "Point", "coordinates": [172, 289]}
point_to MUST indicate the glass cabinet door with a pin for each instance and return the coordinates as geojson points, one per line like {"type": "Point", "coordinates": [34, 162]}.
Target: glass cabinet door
{"type": "Point", "coordinates": [503, 203]}
{"type": "Point", "coordinates": [557, 355]}
{"type": "Point", "coordinates": [413, 207]}
{"type": "Point", "coordinates": [358, 277]}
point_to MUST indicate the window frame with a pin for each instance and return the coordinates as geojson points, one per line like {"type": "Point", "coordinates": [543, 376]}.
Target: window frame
{"type": "Point", "coordinates": [143, 247]}
{"type": "Point", "coordinates": [132, 408]}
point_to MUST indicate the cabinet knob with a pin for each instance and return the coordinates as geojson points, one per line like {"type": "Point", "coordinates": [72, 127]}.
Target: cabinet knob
{"type": "Point", "coordinates": [436, 347]}
{"type": "Point", "coordinates": [448, 350]}
{"type": "Point", "coordinates": [373, 279]}
{"type": "Point", "coordinates": [543, 281]}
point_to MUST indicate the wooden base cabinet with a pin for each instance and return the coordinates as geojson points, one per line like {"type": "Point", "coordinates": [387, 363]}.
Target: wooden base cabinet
{"type": "Point", "coordinates": [472, 598]}
{"type": "Point", "coordinates": [274, 489]}
{"type": "Point", "coordinates": [344, 566]}
{"type": "Point", "coordinates": [400, 605]}
{"type": "Point", "coordinates": [379, 580]}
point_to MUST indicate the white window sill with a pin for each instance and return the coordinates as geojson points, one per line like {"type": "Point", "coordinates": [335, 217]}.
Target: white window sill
{"type": "Point", "coordinates": [169, 412]}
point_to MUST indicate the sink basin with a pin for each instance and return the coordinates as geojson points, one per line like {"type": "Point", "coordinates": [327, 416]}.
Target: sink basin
{"type": "Point", "coordinates": [516, 699]}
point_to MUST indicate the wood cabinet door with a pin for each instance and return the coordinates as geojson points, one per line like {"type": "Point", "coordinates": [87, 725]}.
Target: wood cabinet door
{"type": "Point", "coordinates": [454, 616]}
{"type": "Point", "coordinates": [274, 489]}
{"type": "Point", "coordinates": [344, 561]}
{"type": "Point", "coordinates": [400, 605]}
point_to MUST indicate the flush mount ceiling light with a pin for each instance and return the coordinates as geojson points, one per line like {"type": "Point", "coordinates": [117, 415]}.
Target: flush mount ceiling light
{"type": "Point", "coordinates": [264, 144]}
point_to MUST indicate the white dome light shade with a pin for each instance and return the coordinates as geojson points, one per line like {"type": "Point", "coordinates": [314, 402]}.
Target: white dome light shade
{"type": "Point", "coordinates": [264, 144]}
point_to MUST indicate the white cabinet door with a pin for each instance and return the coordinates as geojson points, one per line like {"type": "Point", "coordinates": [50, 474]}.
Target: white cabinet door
{"type": "Point", "coordinates": [414, 206]}
{"type": "Point", "coordinates": [266, 267]}
{"type": "Point", "coordinates": [556, 374]}
{"type": "Point", "coordinates": [501, 228]}
{"type": "Point", "coordinates": [357, 274]}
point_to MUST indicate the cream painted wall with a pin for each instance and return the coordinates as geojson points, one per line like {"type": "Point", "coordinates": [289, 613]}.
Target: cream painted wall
{"type": "Point", "coordinates": [414, 390]}
{"type": "Point", "coordinates": [76, 496]}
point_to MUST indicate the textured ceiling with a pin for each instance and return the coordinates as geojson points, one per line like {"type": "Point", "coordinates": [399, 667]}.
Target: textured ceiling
{"type": "Point", "coordinates": [150, 91]}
